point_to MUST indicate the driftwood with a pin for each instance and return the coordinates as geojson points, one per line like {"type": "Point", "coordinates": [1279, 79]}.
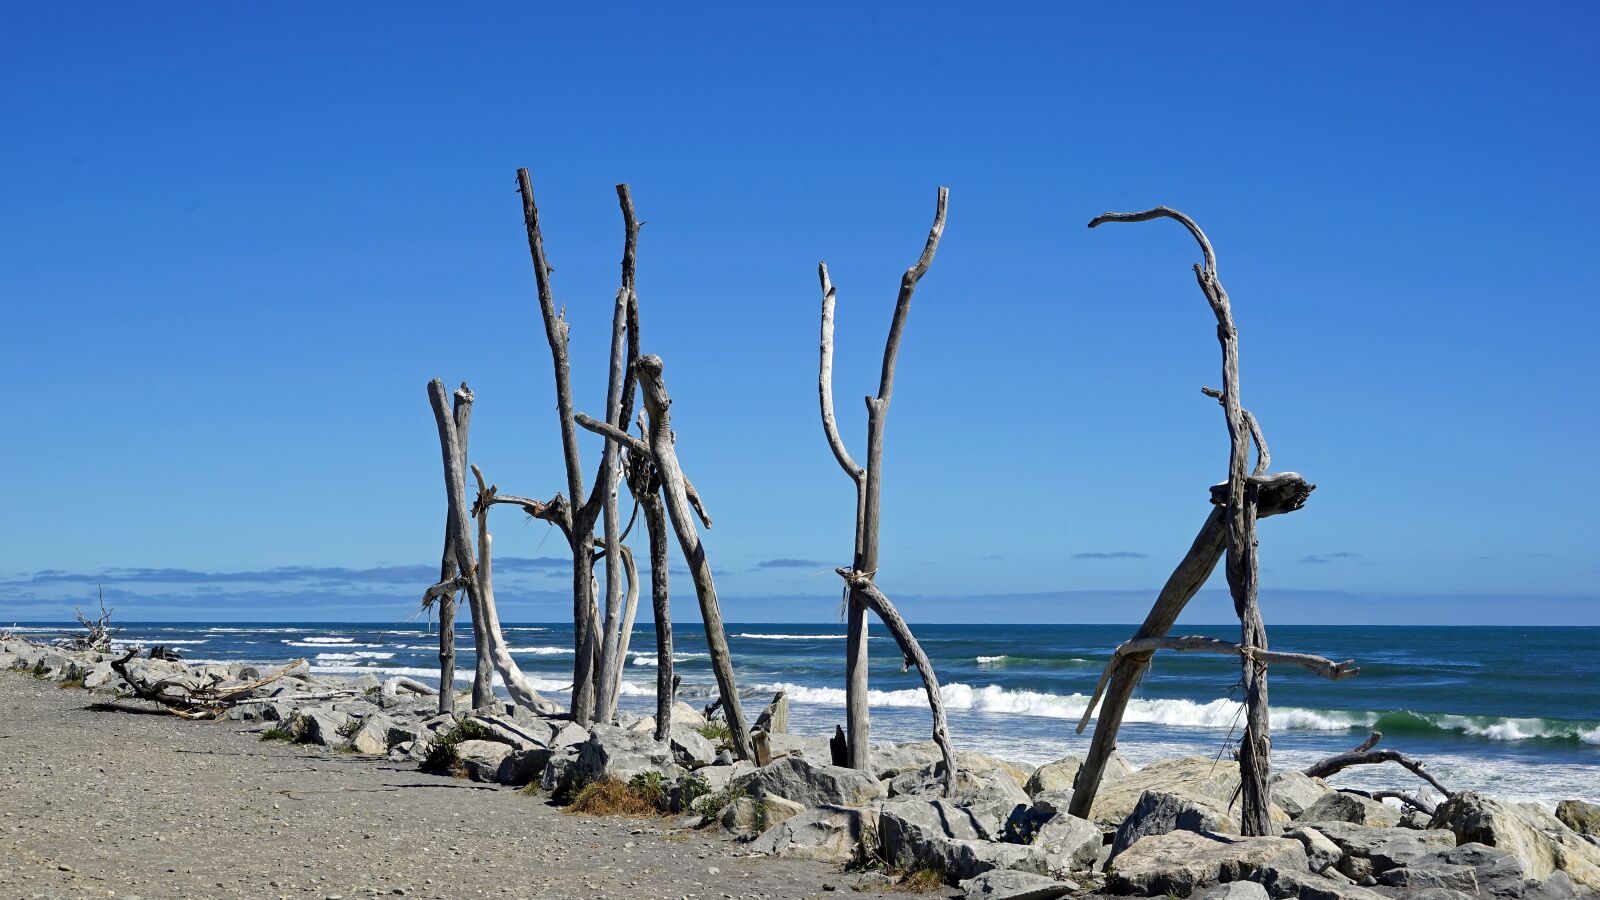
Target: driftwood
{"type": "Point", "coordinates": [676, 495]}
{"type": "Point", "coordinates": [1241, 509]}
{"type": "Point", "coordinates": [392, 687]}
{"type": "Point", "coordinates": [483, 678]}
{"type": "Point", "coordinates": [868, 481]}
{"type": "Point", "coordinates": [878, 603]}
{"type": "Point", "coordinates": [205, 702]}
{"type": "Point", "coordinates": [576, 515]}
{"type": "Point", "coordinates": [97, 631]}
{"type": "Point", "coordinates": [1411, 800]}
{"type": "Point", "coordinates": [1144, 647]}
{"type": "Point", "coordinates": [645, 486]}
{"type": "Point", "coordinates": [475, 579]}
{"type": "Point", "coordinates": [1364, 755]}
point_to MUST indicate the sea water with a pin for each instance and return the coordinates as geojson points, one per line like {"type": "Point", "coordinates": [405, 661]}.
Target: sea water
{"type": "Point", "coordinates": [1510, 711]}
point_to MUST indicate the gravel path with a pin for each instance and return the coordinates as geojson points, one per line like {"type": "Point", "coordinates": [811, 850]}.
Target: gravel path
{"type": "Point", "coordinates": [112, 804]}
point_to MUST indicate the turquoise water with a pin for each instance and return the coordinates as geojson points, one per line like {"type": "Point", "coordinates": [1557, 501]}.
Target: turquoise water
{"type": "Point", "coordinates": [1512, 711]}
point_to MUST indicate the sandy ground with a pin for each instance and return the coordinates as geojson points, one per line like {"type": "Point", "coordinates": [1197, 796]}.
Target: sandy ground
{"type": "Point", "coordinates": [109, 804]}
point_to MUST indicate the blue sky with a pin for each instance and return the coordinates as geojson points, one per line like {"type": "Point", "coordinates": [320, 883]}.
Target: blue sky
{"type": "Point", "coordinates": [237, 243]}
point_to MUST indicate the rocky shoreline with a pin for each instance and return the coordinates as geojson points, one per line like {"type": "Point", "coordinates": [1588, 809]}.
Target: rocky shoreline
{"type": "Point", "coordinates": [1167, 829]}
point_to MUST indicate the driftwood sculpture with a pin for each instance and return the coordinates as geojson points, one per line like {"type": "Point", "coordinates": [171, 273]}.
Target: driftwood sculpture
{"type": "Point", "coordinates": [862, 593]}
{"type": "Point", "coordinates": [97, 631]}
{"type": "Point", "coordinates": [575, 515]}
{"type": "Point", "coordinates": [682, 504]}
{"type": "Point", "coordinates": [1231, 527]}
{"type": "Point", "coordinates": [475, 573]}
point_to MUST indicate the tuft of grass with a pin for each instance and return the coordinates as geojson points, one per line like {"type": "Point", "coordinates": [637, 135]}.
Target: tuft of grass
{"type": "Point", "coordinates": [650, 786]}
{"type": "Point", "coordinates": [277, 733]}
{"type": "Point", "coordinates": [610, 797]}
{"type": "Point", "coordinates": [919, 881]}
{"type": "Point", "coordinates": [40, 670]}
{"type": "Point", "coordinates": [718, 733]}
{"type": "Point", "coordinates": [442, 757]}
{"type": "Point", "coordinates": [349, 728]}
{"type": "Point", "coordinates": [71, 682]}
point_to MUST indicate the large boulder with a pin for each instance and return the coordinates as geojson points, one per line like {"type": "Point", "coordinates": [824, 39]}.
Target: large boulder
{"type": "Point", "coordinates": [1543, 843]}
{"type": "Point", "coordinates": [746, 816]}
{"type": "Point", "coordinates": [1339, 806]}
{"type": "Point", "coordinates": [1438, 871]}
{"type": "Point", "coordinates": [1295, 792]}
{"type": "Point", "coordinates": [1321, 853]}
{"type": "Point", "coordinates": [1069, 843]}
{"type": "Point", "coordinates": [1159, 812]}
{"type": "Point", "coordinates": [827, 833]}
{"type": "Point", "coordinates": [1365, 850]}
{"type": "Point", "coordinates": [481, 760]}
{"type": "Point", "coordinates": [1185, 861]}
{"type": "Point", "coordinates": [1234, 890]}
{"type": "Point", "coordinates": [690, 748]}
{"type": "Point", "coordinates": [318, 725]}
{"type": "Point", "coordinates": [372, 736]}
{"type": "Point", "coordinates": [939, 835]}
{"type": "Point", "coordinates": [992, 795]}
{"type": "Point", "coordinates": [1062, 774]}
{"type": "Point", "coordinates": [1004, 884]}
{"type": "Point", "coordinates": [1584, 818]}
{"type": "Point", "coordinates": [620, 754]}
{"type": "Point", "coordinates": [810, 784]}
{"type": "Point", "coordinates": [1192, 776]}
{"type": "Point", "coordinates": [521, 767]}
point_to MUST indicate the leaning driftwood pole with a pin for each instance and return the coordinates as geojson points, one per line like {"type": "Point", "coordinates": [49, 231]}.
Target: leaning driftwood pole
{"type": "Point", "coordinates": [483, 678]}
{"type": "Point", "coordinates": [868, 480]}
{"type": "Point", "coordinates": [470, 578]}
{"type": "Point", "coordinates": [1255, 748]}
{"type": "Point", "coordinates": [645, 486]}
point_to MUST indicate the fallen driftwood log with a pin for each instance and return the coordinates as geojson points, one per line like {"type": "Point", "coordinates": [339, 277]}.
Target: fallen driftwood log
{"type": "Point", "coordinates": [1364, 755]}
{"type": "Point", "coordinates": [205, 702]}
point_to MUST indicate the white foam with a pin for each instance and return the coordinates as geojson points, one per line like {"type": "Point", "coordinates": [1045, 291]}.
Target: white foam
{"type": "Point", "coordinates": [327, 640]}
{"type": "Point", "coordinates": [1220, 713]}
{"type": "Point", "coordinates": [649, 659]}
{"type": "Point", "coordinates": [542, 651]}
{"type": "Point", "coordinates": [990, 659]}
{"type": "Point", "coordinates": [330, 642]}
{"type": "Point", "coordinates": [791, 637]}
{"type": "Point", "coordinates": [128, 642]}
{"type": "Point", "coordinates": [360, 654]}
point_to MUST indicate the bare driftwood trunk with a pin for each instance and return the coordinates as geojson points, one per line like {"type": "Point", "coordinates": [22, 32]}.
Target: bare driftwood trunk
{"type": "Point", "coordinates": [475, 583]}
{"type": "Point", "coordinates": [1239, 517]}
{"type": "Point", "coordinates": [655, 521]}
{"type": "Point", "coordinates": [868, 481]}
{"type": "Point", "coordinates": [592, 692]}
{"type": "Point", "coordinates": [483, 679]}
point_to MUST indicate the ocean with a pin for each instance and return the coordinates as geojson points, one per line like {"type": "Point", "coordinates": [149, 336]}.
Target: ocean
{"type": "Point", "coordinates": [1514, 712]}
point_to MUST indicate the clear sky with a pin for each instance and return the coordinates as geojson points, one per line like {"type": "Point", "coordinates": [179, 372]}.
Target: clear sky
{"type": "Point", "coordinates": [237, 241]}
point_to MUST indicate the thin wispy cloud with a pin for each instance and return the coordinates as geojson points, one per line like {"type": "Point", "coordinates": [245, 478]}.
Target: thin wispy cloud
{"type": "Point", "coordinates": [1111, 554]}
{"type": "Point", "coordinates": [1319, 559]}
{"type": "Point", "coordinates": [785, 562]}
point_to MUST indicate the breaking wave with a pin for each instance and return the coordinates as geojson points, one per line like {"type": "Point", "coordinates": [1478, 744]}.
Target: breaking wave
{"type": "Point", "coordinates": [644, 659]}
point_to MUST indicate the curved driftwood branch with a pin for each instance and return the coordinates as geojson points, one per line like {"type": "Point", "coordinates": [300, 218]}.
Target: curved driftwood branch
{"type": "Point", "coordinates": [675, 495]}
{"type": "Point", "coordinates": [1411, 800]}
{"type": "Point", "coordinates": [1263, 455]}
{"type": "Point", "coordinates": [1159, 213]}
{"type": "Point", "coordinates": [640, 447]}
{"type": "Point", "coordinates": [1143, 648]}
{"type": "Point", "coordinates": [1364, 755]}
{"type": "Point", "coordinates": [897, 626]}
{"type": "Point", "coordinates": [830, 425]}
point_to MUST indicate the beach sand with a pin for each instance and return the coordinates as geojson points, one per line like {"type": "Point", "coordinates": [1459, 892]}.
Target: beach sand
{"type": "Point", "coordinates": [113, 804]}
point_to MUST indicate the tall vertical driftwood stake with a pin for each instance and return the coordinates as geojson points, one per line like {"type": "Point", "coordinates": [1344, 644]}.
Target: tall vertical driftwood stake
{"type": "Point", "coordinates": [576, 516]}
{"type": "Point", "coordinates": [1239, 515]}
{"type": "Point", "coordinates": [869, 490]}
{"type": "Point", "coordinates": [646, 487]}
{"type": "Point", "coordinates": [462, 411]}
{"type": "Point", "coordinates": [682, 504]}
{"type": "Point", "coordinates": [477, 583]}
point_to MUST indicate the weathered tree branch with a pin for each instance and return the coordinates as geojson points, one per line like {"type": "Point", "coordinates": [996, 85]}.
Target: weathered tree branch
{"type": "Point", "coordinates": [1364, 755]}
{"type": "Point", "coordinates": [897, 626]}
{"type": "Point", "coordinates": [830, 425]}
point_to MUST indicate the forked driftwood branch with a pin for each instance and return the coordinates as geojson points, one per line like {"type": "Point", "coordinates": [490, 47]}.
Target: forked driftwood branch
{"type": "Point", "coordinates": [1364, 755]}
{"type": "Point", "coordinates": [175, 696]}
{"type": "Point", "coordinates": [97, 631]}
{"type": "Point", "coordinates": [868, 481]}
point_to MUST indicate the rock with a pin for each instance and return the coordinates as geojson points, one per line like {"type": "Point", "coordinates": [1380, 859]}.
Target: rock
{"type": "Point", "coordinates": [1332, 886]}
{"type": "Point", "coordinates": [1236, 890]}
{"type": "Point", "coordinates": [1070, 843]}
{"type": "Point", "coordinates": [684, 714]}
{"type": "Point", "coordinates": [940, 835]}
{"type": "Point", "coordinates": [992, 795]}
{"type": "Point", "coordinates": [646, 724]}
{"type": "Point", "coordinates": [1342, 807]}
{"type": "Point", "coordinates": [691, 748]}
{"type": "Point", "coordinates": [612, 752]}
{"type": "Point", "coordinates": [522, 767]}
{"type": "Point", "coordinates": [560, 771]}
{"type": "Point", "coordinates": [1159, 812]}
{"type": "Point", "coordinates": [1543, 843]}
{"type": "Point", "coordinates": [399, 733]}
{"type": "Point", "coordinates": [1557, 887]}
{"type": "Point", "coordinates": [1193, 776]}
{"type": "Point", "coordinates": [365, 683]}
{"type": "Point", "coordinates": [570, 734]}
{"type": "Point", "coordinates": [1050, 803]}
{"type": "Point", "coordinates": [481, 759]}
{"type": "Point", "coordinates": [828, 833]}
{"type": "Point", "coordinates": [1365, 850]}
{"type": "Point", "coordinates": [1584, 818]}
{"type": "Point", "coordinates": [813, 748]}
{"type": "Point", "coordinates": [1295, 792]}
{"type": "Point", "coordinates": [101, 675]}
{"type": "Point", "coordinates": [1001, 884]}
{"type": "Point", "coordinates": [810, 784]}
{"type": "Point", "coordinates": [748, 816]}
{"type": "Point", "coordinates": [1497, 874]}
{"type": "Point", "coordinates": [1184, 861]}
{"type": "Point", "coordinates": [1414, 818]}
{"type": "Point", "coordinates": [889, 760]}
{"type": "Point", "coordinates": [318, 726]}
{"type": "Point", "coordinates": [1061, 774]}
{"type": "Point", "coordinates": [775, 718]}
{"type": "Point", "coordinates": [372, 737]}
{"type": "Point", "coordinates": [1321, 853]}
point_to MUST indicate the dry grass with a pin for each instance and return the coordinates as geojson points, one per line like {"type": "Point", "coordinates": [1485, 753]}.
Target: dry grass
{"type": "Point", "coordinates": [609, 797]}
{"type": "Point", "coordinates": [919, 881]}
